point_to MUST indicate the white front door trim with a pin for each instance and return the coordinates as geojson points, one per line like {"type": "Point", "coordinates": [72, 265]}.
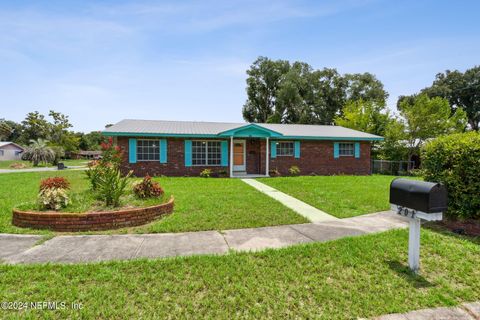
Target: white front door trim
{"type": "Point", "coordinates": [244, 166]}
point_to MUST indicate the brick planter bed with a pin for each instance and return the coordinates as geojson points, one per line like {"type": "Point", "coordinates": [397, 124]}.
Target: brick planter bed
{"type": "Point", "coordinates": [90, 221]}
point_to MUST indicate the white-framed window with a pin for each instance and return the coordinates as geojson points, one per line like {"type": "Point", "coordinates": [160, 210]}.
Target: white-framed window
{"type": "Point", "coordinates": [346, 149]}
{"type": "Point", "coordinates": [148, 150]}
{"type": "Point", "coordinates": [17, 153]}
{"type": "Point", "coordinates": [2, 153]}
{"type": "Point", "coordinates": [285, 148]}
{"type": "Point", "coordinates": [206, 153]}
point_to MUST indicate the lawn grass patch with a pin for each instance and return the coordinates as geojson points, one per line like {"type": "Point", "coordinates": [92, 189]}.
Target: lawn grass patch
{"type": "Point", "coordinates": [340, 196]}
{"type": "Point", "coordinates": [352, 277]}
{"type": "Point", "coordinates": [200, 204]}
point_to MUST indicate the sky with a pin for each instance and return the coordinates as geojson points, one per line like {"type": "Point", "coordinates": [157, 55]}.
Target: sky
{"type": "Point", "coordinates": [103, 61]}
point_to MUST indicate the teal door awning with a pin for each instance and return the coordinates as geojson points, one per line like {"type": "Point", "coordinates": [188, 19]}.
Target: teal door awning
{"type": "Point", "coordinates": [250, 131]}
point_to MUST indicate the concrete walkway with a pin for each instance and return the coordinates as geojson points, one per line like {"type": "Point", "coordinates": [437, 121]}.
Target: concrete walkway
{"type": "Point", "coordinates": [466, 311]}
{"type": "Point", "coordinates": [300, 207]}
{"type": "Point", "coordinates": [41, 169]}
{"type": "Point", "coordinates": [92, 248]}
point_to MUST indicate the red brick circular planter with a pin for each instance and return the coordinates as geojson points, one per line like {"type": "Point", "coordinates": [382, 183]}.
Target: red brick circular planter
{"type": "Point", "coordinates": [90, 221]}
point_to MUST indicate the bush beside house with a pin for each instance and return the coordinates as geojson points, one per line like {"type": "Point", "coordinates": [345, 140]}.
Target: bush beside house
{"type": "Point", "coordinates": [454, 160]}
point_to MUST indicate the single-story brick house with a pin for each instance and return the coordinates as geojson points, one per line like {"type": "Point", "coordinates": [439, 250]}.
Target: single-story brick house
{"type": "Point", "coordinates": [10, 151]}
{"type": "Point", "coordinates": [180, 148]}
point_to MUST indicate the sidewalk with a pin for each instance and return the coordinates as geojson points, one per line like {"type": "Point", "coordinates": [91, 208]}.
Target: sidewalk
{"type": "Point", "coordinates": [466, 311]}
{"type": "Point", "coordinates": [42, 169]}
{"type": "Point", "coordinates": [93, 248]}
{"type": "Point", "coordinates": [311, 213]}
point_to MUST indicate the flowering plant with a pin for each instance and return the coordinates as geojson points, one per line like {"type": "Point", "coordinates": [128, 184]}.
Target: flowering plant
{"type": "Point", "coordinates": [147, 188]}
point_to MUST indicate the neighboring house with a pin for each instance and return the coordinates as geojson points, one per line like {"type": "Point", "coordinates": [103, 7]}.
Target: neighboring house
{"type": "Point", "coordinates": [178, 148]}
{"type": "Point", "coordinates": [10, 151]}
{"type": "Point", "coordinates": [87, 154]}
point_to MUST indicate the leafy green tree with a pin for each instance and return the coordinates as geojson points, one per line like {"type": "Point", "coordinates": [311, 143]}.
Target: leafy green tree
{"type": "Point", "coordinates": [428, 118]}
{"type": "Point", "coordinates": [39, 152]}
{"type": "Point", "coordinates": [263, 81]}
{"type": "Point", "coordinates": [91, 141]}
{"type": "Point", "coordinates": [5, 130]}
{"type": "Point", "coordinates": [365, 86]}
{"type": "Point", "coordinates": [324, 96]}
{"type": "Point", "coordinates": [366, 116]}
{"type": "Point", "coordinates": [35, 126]}
{"type": "Point", "coordinates": [462, 90]}
{"type": "Point", "coordinates": [394, 146]}
{"type": "Point", "coordinates": [283, 92]}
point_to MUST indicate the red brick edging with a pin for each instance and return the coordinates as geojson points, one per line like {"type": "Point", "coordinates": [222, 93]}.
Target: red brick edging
{"type": "Point", "coordinates": [90, 221]}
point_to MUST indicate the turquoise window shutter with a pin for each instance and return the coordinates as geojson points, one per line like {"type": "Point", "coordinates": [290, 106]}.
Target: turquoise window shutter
{"type": "Point", "coordinates": [357, 150]}
{"type": "Point", "coordinates": [132, 150]}
{"type": "Point", "coordinates": [188, 153]}
{"type": "Point", "coordinates": [273, 149]}
{"type": "Point", "coordinates": [224, 160]}
{"type": "Point", "coordinates": [296, 145]}
{"type": "Point", "coordinates": [336, 150]}
{"type": "Point", "coordinates": [163, 151]}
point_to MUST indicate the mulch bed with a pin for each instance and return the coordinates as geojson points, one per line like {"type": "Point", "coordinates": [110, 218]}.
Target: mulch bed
{"type": "Point", "coordinates": [467, 227]}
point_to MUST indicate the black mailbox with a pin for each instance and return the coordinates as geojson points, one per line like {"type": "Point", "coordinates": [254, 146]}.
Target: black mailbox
{"type": "Point", "coordinates": [417, 195]}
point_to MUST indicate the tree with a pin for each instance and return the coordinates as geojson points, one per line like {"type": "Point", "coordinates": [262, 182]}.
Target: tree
{"type": "Point", "coordinates": [428, 118]}
{"type": "Point", "coordinates": [283, 92]}
{"type": "Point", "coordinates": [325, 97]}
{"type": "Point", "coordinates": [34, 127]}
{"type": "Point", "coordinates": [263, 81]}
{"type": "Point", "coordinates": [91, 141]}
{"type": "Point", "coordinates": [366, 116]}
{"type": "Point", "coordinates": [394, 147]}
{"type": "Point", "coordinates": [5, 130]}
{"type": "Point", "coordinates": [365, 86]}
{"type": "Point", "coordinates": [38, 151]}
{"type": "Point", "coordinates": [462, 90]}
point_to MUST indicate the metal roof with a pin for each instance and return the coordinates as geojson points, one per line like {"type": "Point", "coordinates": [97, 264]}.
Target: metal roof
{"type": "Point", "coordinates": [197, 128]}
{"type": "Point", "coordinates": [6, 143]}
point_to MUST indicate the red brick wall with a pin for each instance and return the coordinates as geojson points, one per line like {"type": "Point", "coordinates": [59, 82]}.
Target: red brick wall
{"type": "Point", "coordinates": [316, 157]}
{"type": "Point", "coordinates": [90, 221]}
{"type": "Point", "coordinates": [175, 165]}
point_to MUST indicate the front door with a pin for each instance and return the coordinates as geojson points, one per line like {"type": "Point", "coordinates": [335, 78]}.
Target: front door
{"type": "Point", "coordinates": [239, 155]}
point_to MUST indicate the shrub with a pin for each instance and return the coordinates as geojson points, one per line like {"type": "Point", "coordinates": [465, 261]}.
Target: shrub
{"type": "Point", "coordinates": [273, 172]}
{"type": "Point", "coordinates": [106, 179]}
{"type": "Point", "coordinates": [147, 188]}
{"type": "Point", "coordinates": [222, 173]}
{"type": "Point", "coordinates": [53, 198]}
{"type": "Point", "coordinates": [206, 173]}
{"type": "Point", "coordinates": [294, 170]}
{"type": "Point", "coordinates": [454, 160]}
{"type": "Point", "coordinates": [111, 186]}
{"type": "Point", "coordinates": [54, 183]}
{"type": "Point", "coordinates": [111, 157]}
{"type": "Point", "coordinates": [93, 173]}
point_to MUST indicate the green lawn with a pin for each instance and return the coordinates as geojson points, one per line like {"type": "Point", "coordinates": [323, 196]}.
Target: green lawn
{"type": "Point", "coordinates": [74, 162]}
{"type": "Point", "coordinates": [344, 279]}
{"type": "Point", "coordinates": [341, 196]}
{"type": "Point", "coordinates": [200, 204]}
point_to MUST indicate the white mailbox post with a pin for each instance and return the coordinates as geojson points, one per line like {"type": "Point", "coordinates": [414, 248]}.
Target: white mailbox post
{"type": "Point", "coordinates": [415, 218]}
{"type": "Point", "coordinates": [417, 200]}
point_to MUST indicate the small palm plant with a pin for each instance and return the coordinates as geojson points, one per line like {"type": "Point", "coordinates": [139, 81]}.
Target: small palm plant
{"type": "Point", "coordinates": [38, 151]}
